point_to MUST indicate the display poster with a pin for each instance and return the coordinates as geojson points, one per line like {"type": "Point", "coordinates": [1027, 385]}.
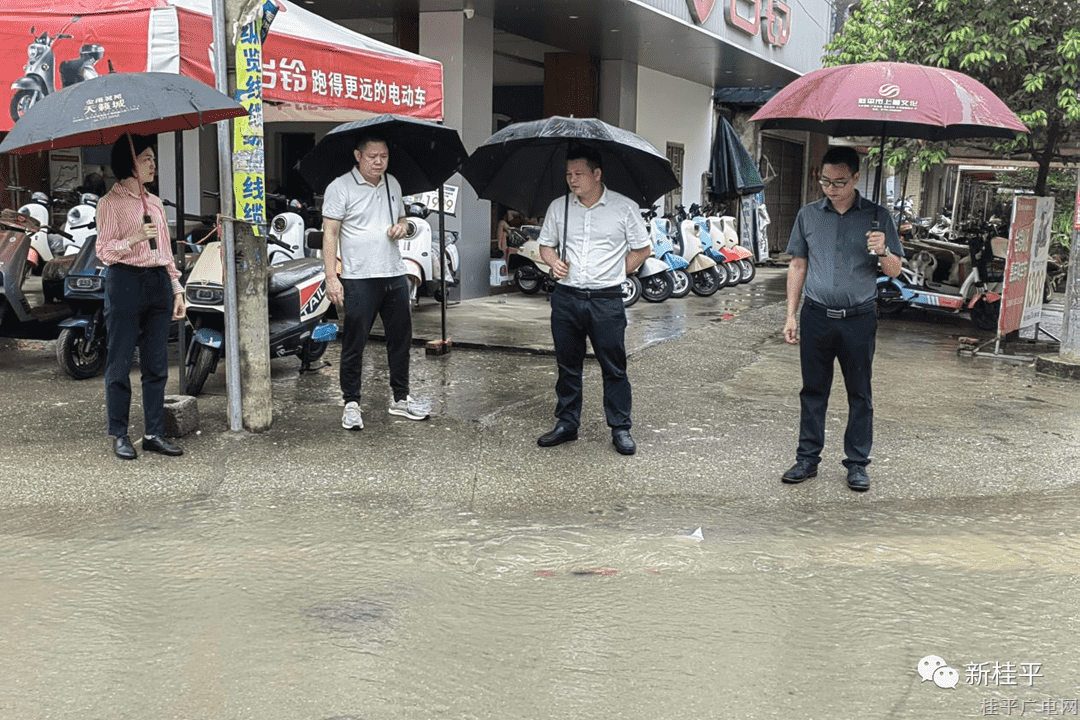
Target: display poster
{"type": "Point", "coordinates": [1025, 263]}
{"type": "Point", "coordinates": [430, 199]}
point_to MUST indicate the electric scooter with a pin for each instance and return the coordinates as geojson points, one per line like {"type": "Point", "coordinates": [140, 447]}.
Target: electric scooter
{"type": "Point", "coordinates": [16, 234]}
{"type": "Point", "coordinates": [80, 227]}
{"type": "Point", "coordinates": [706, 275]}
{"type": "Point", "coordinates": [726, 242]}
{"type": "Point", "coordinates": [531, 273]}
{"type": "Point", "coordinates": [979, 294]}
{"type": "Point", "coordinates": [421, 255]}
{"type": "Point", "coordinates": [659, 230]}
{"type": "Point", "coordinates": [44, 244]}
{"type": "Point", "coordinates": [38, 80]}
{"type": "Point", "coordinates": [297, 305]}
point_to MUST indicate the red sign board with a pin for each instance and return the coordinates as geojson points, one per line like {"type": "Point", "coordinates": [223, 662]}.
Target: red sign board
{"type": "Point", "coordinates": [1025, 264]}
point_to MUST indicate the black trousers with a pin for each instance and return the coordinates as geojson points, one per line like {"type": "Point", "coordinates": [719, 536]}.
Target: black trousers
{"type": "Point", "coordinates": [851, 341]}
{"type": "Point", "coordinates": [603, 321]}
{"type": "Point", "coordinates": [387, 297]}
{"type": "Point", "coordinates": [138, 312]}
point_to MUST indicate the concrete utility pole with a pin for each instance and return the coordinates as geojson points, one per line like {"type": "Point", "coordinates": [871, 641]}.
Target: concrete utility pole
{"type": "Point", "coordinates": [247, 341]}
{"type": "Point", "coordinates": [1070, 329]}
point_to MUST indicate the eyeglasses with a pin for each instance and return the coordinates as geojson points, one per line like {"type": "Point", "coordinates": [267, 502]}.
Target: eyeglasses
{"type": "Point", "coordinates": [838, 184]}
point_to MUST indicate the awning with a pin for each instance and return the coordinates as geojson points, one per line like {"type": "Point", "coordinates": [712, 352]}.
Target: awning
{"type": "Point", "coordinates": [313, 69]}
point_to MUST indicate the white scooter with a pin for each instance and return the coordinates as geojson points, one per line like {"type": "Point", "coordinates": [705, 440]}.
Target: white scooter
{"type": "Point", "coordinates": [725, 239]}
{"type": "Point", "coordinates": [702, 268]}
{"type": "Point", "coordinates": [421, 255]}
{"type": "Point", "coordinates": [44, 244]}
{"type": "Point", "coordinates": [81, 223]}
{"type": "Point", "coordinates": [531, 273]}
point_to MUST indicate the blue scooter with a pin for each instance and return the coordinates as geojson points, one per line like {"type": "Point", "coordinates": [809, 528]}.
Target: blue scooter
{"type": "Point", "coordinates": [663, 248]}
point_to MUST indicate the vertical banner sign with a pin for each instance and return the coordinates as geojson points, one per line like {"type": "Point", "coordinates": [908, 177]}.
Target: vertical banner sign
{"type": "Point", "coordinates": [1017, 264]}
{"type": "Point", "coordinates": [1025, 264]}
{"type": "Point", "coordinates": [248, 158]}
{"type": "Point", "coordinates": [1040, 253]}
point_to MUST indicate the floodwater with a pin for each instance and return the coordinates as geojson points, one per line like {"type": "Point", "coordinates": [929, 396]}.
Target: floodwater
{"type": "Point", "coordinates": [343, 608]}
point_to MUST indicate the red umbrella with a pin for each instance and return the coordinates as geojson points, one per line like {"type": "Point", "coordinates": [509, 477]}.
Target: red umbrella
{"type": "Point", "coordinates": [887, 99]}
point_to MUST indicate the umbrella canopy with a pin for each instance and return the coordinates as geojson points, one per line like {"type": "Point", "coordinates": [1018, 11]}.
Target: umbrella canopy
{"type": "Point", "coordinates": [887, 99]}
{"type": "Point", "coordinates": [732, 169]}
{"type": "Point", "coordinates": [523, 166]}
{"type": "Point", "coordinates": [423, 154]}
{"type": "Point", "coordinates": [100, 110]}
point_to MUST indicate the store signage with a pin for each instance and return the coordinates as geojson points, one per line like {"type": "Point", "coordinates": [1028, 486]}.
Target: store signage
{"type": "Point", "coordinates": [769, 18]}
{"type": "Point", "coordinates": [700, 9]}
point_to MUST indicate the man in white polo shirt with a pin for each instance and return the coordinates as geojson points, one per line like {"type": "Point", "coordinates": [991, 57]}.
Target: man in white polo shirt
{"type": "Point", "coordinates": [605, 239]}
{"type": "Point", "coordinates": [363, 218]}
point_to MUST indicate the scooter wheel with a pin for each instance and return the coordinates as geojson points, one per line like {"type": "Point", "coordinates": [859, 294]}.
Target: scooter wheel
{"type": "Point", "coordinates": [76, 360]}
{"type": "Point", "coordinates": [22, 102]}
{"type": "Point", "coordinates": [749, 270]}
{"type": "Point", "coordinates": [199, 369]}
{"type": "Point", "coordinates": [734, 272]}
{"type": "Point", "coordinates": [681, 283]}
{"type": "Point", "coordinates": [706, 282]}
{"type": "Point", "coordinates": [631, 290]}
{"type": "Point", "coordinates": [657, 288]}
{"type": "Point", "coordinates": [527, 282]}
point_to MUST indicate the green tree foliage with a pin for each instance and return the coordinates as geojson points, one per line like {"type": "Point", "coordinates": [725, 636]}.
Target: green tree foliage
{"type": "Point", "coordinates": [1026, 51]}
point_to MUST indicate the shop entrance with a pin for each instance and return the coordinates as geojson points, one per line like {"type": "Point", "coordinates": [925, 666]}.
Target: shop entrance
{"type": "Point", "coordinates": [782, 171]}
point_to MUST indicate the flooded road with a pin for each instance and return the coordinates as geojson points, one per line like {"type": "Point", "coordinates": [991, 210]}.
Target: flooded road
{"type": "Point", "coordinates": [214, 608]}
{"type": "Point", "coordinates": [453, 569]}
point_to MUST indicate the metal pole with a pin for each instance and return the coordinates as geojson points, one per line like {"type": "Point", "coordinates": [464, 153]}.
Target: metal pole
{"type": "Point", "coordinates": [225, 178]}
{"type": "Point", "coordinates": [442, 262]}
{"type": "Point", "coordinates": [178, 156]}
{"type": "Point", "coordinates": [955, 205]}
{"type": "Point", "coordinates": [880, 166]}
{"type": "Point", "coordinates": [1070, 324]}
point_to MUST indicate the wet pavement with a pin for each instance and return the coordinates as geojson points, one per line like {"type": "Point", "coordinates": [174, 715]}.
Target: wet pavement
{"type": "Point", "coordinates": [452, 569]}
{"type": "Point", "coordinates": [716, 415]}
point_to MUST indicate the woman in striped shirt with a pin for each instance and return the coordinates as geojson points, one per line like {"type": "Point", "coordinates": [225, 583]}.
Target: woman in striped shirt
{"type": "Point", "coordinates": [142, 295]}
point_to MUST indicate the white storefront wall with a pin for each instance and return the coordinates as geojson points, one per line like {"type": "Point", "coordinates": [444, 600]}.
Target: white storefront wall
{"type": "Point", "coordinates": [673, 110]}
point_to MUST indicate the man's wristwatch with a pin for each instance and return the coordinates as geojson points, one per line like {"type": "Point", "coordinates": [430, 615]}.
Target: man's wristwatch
{"type": "Point", "coordinates": [885, 254]}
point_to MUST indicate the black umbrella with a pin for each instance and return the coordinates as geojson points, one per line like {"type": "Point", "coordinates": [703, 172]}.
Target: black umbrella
{"type": "Point", "coordinates": [423, 154]}
{"type": "Point", "coordinates": [100, 110]}
{"type": "Point", "coordinates": [733, 171]}
{"type": "Point", "coordinates": [523, 166]}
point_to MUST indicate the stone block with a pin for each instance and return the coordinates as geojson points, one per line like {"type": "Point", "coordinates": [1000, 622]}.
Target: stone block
{"type": "Point", "coordinates": [181, 415]}
{"type": "Point", "coordinates": [1062, 367]}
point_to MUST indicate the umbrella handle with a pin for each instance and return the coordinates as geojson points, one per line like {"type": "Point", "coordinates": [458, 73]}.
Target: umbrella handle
{"type": "Point", "coordinates": [147, 221]}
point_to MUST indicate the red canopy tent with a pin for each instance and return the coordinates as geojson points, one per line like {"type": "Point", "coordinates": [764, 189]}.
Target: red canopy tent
{"type": "Point", "coordinates": [313, 69]}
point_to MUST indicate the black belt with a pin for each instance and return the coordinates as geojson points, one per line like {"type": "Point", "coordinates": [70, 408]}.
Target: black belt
{"type": "Point", "coordinates": [137, 268]}
{"type": "Point", "coordinates": [840, 313]}
{"type": "Point", "coordinates": [615, 291]}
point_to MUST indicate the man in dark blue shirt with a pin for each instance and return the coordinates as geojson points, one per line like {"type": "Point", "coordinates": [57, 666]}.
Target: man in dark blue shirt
{"type": "Point", "coordinates": [837, 245]}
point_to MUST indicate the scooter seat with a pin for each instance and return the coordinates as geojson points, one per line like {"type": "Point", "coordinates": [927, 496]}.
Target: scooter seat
{"type": "Point", "coordinates": [288, 274]}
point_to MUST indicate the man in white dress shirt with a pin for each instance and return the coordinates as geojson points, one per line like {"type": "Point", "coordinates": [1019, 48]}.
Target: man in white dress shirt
{"type": "Point", "coordinates": [603, 238]}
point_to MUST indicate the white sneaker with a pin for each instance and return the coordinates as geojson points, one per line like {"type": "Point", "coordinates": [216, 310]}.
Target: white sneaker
{"type": "Point", "coordinates": [412, 408]}
{"type": "Point", "coordinates": [351, 419]}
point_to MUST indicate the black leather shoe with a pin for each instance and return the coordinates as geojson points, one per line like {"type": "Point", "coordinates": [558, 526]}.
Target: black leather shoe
{"type": "Point", "coordinates": [124, 449]}
{"type": "Point", "coordinates": [623, 442]}
{"type": "Point", "coordinates": [801, 470]}
{"type": "Point", "coordinates": [561, 433]}
{"type": "Point", "coordinates": [158, 444]}
{"type": "Point", "coordinates": [857, 479]}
